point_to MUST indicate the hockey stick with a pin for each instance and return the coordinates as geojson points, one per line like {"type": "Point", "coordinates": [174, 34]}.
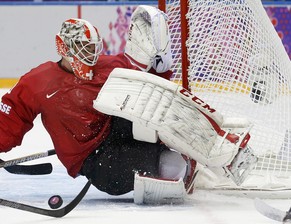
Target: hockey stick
{"type": "Point", "coordinates": [27, 158]}
{"type": "Point", "coordinates": [271, 212]}
{"type": "Point", "coordinates": [37, 169]}
{"type": "Point", "coordinates": [52, 213]}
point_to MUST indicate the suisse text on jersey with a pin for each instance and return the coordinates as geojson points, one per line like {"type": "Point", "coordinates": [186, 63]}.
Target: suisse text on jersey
{"type": "Point", "coordinates": [5, 108]}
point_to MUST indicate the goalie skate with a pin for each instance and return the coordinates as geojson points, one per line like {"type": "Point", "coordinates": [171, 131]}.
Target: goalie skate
{"type": "Point", "coordinates": [241, 165]}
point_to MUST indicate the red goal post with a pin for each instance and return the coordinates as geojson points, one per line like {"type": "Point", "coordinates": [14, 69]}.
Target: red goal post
{"type": "Point", "coordinates": [183, 7]}
{"type": "Point", "coordinates": [230, 55]}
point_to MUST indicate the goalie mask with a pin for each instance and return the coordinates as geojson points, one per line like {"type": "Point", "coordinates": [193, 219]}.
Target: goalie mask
{"type": "Point", "coordinates": [79, 43]}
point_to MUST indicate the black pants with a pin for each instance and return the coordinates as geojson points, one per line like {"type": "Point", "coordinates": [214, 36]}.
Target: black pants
{"type": "Point", "coordinates": [112, 168]}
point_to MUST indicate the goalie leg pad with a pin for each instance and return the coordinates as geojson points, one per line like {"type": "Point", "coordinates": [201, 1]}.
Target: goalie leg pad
{"type": "Point", "coordinates": [182, 121]}
{"type": "Point", "coordinates": [149, 190]}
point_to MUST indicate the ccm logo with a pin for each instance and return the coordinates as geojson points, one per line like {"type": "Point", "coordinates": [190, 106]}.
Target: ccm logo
{"type": "Point", "coordinates": [196, 100]}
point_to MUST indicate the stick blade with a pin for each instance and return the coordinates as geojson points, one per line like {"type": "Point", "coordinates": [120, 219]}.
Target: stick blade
{"type": "Point", "coordinates": [268, 211]}
{"type": "Point", "coordinates": [37, 169]}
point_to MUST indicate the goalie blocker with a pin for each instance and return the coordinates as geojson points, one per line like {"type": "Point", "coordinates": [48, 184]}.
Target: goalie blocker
{"type": "Point", "coordinates": [160, 109]}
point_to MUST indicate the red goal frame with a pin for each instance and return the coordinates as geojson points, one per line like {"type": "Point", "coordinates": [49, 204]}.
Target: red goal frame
{"type": "Point", "coordinates": [184, 35]}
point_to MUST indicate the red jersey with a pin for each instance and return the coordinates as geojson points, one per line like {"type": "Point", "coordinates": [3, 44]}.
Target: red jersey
{"type": "Point", "coordinates": [66, 107]}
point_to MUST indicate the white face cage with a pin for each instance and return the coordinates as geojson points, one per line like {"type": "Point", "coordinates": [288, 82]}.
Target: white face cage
{"type": "Point", "coordinates": [82, 40]}
{"type": "Point", "coordinates": [86, 52]}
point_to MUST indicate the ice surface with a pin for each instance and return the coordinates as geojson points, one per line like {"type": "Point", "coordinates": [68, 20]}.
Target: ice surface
{"type": "Point", "coordinates": [204, 206]}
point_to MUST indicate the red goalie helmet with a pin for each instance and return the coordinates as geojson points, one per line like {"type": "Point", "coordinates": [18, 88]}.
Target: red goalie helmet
{"type": "Point", "coordinates": [79, 43]}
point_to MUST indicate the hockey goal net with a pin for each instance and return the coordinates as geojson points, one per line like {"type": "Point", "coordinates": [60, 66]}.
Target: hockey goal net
{"type": "Point", "coordinates": [229, 54]}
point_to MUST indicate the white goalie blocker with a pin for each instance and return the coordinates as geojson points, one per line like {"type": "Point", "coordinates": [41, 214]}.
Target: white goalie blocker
{"type": "Point", "coordinates": [161, 109]}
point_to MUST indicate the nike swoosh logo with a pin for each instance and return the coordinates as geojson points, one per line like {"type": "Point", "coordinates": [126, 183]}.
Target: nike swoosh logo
{"type": "Point", "coordinates": [50, 95]}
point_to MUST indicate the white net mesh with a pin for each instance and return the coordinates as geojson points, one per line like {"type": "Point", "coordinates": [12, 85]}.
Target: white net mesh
{"type": "Point", "coordinates": [239, 66]}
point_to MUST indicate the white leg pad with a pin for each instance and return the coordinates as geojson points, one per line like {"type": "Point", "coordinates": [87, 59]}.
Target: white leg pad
{"type": "Point", "coordinates": [168, 112]}
{"type": "Point", "coordinates": [149, 190]}
{"type": "Point", "coordinates": [177, 117]}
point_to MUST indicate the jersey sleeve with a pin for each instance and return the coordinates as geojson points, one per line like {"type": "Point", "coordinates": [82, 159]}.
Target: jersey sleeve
{"type": "Point", "coordinates": [18, 109]}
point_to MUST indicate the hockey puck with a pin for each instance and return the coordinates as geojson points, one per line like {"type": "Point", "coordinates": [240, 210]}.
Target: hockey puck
{"type": "Point", "coordinates": [55, 201]}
